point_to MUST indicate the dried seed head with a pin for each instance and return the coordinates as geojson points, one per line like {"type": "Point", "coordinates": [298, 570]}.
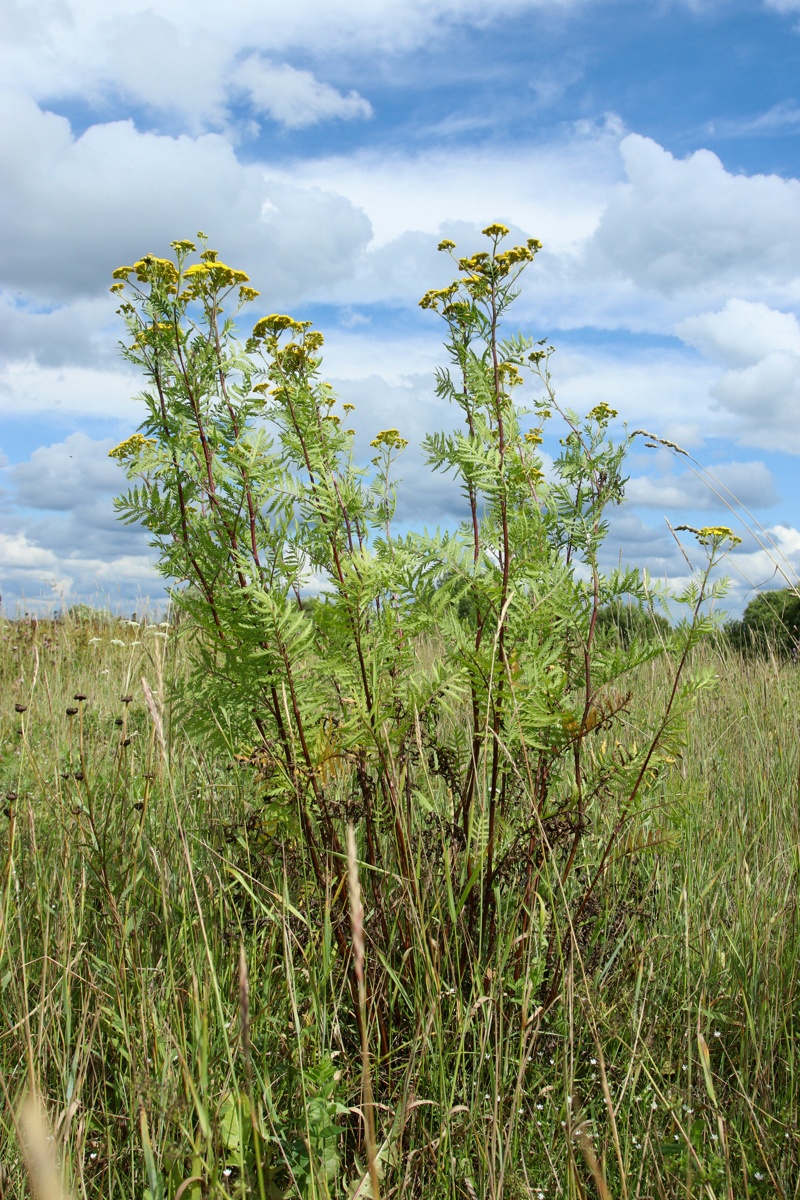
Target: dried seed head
{"type": "Point", "coordinates": [11, 797]}
{"type": "Point", "coordinates": [79, 696]}
{"type": "Point", "coordinates": [20, 708]}
{"type": "Point", "coordinates": [71, 712]}
{"type": "Point", "coordinates": [126, 699]}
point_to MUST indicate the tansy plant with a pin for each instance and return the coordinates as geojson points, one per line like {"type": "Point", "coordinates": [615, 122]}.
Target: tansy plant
{"type": "Point", "coordinates": [450, 694]}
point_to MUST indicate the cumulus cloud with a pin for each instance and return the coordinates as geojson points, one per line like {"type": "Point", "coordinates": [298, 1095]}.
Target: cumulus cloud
{"type": "Point", "coordinates": [751, 483]}
{"type": "Point", "coordinates": [64, 392]}
{"type": "Point", "coordinates": [742, 333]}
{"type": "Point", "coordinates": [63, 538]}
{"type": "Point", "coordinates": [178, 57]}
{"type": "Point", "coordinates": [73, 208]}
{"type": "Point", "coordinates": [761, 387]}
{"type": "Point", "coordinates": [683, 225]}
{"type": "Point", "coordinates": [295, 98]}
{"type": "Point", "coordinates": [774, 561]}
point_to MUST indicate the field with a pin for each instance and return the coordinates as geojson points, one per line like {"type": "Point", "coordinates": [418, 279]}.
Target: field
{"type": "Point", "coordinates": [178, 1019]}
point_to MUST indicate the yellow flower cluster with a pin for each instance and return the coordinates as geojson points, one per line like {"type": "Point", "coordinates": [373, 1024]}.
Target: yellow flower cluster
{"type": "Point", "coordinates": [214, 275]}
{"type": "Point", "coordinates": [276, 323]}
{"type": "Point", "coordinates": [534, 437]}
{"type": "Point", "coordinates": [390, 438]}
{"type": "Point", "coordinates": [510, 374]}
{"type": "Point", "coordinates": [183, 246]}
{"type": "Point", "coordinates": [432, 298]}
{"type": "Point", "coordinates": [155, 270]}
{"type": "Point", "coordinates": [477, 262]}
{"type": "Point", "coordinates": [495, 231]}
{"type": "Point", "coordinates": [246, 294]}
{"type": "Point", "coordinates": [130, 447]}
{"type": "Point", "coordinates": [602, 413]}
{"type": "Point", "coordinates": [712, 535]}
{"type": "Point", "coordinates": [446, 244]}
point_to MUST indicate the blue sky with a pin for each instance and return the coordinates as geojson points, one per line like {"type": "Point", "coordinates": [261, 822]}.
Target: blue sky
{"type": "Point", "coordinates": [652, 145]}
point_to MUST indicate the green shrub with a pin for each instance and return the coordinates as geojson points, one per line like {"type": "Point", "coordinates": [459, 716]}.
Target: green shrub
{"type": "Point", "coordinates": [770, 624]}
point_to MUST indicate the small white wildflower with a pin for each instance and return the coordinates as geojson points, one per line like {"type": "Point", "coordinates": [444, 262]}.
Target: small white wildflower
{"type": "Point", "coordinates": [93, 640]}
{"type": "Point", "coordinates": [226, 1171]}
{"type": "Point", "coordinates": [540, 1107]}
{"type": "Point", "coordinates": [717, 1033]}
{"type": "Point", "coordinates": [116, 642]}
{"type": "Point", "coordinates": [593, 1061]}
{"type": "Point", "coordinates": [759, 1175]}
{"type": "Point", "coordinates": [654, 1106]}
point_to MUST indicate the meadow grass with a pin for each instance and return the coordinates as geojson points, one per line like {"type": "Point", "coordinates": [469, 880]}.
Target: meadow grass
{"type": "Point", "coordinates": [176, 1020]}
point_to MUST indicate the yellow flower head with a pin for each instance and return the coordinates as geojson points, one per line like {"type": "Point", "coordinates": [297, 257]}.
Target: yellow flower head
{"type": "Point", "coordinates": [431, 298]}
{"type": "Point", "coordinates": [275, 323]}
{"type": "Point", "coordinates": [116, 288]}
{"type": "Point", "coordinates": [349, 407]}
{"type": "Point", "coordinates": [477, 262]}
{"type": "Point", "coordinates": [313, 341]}
{"type": "Point", "coordinates": [534, 438]}
{"type": "Point", "coordinates": [602, 413]}
{"type": "Point", "coordinates": [495, 231]}
{"type": "Point", "coordinates": [183, 246]}
{"type": "Point", "coordinates": [446, 244]}
{"type": "Point", "coordinates": [155, 270]}
{"type": "Point", "coordinates": [215, 275]}
{"type": "Point", "coordinates": [122, 273]}
{"type": "Point", "coordinates": [209, 256]}
{"type": "Point", "coordinates": [246, 294]}
{"type": "Point", "coordinates": [712, 535]}
{"type": "Point", "coordinates": [510, 373]}
{"type": "Point", "coordinates": [390, 438]}
{"type": "Point", "coordinates": [130, 447]}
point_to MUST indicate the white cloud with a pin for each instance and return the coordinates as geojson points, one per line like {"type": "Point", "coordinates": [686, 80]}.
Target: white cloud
{"type": "Point", "coordinates": [750, 483]}
{"type": "Point", "coordinates": [73, 208]}
{"type": "Point", "coordinates": [662, 390]}
{"type": "Point", "coordinates": [766, 396]}
{"type": "Point", "coordinates": [64, 475]}
{"type": "Point", "coordinates": [67, 391]}
{"type": "Point", "coordinates": [761, 388]}
{"type": "Point", "coordinates": [742, 333]}
{"type": "Point", "coordinates": [178, 56]}
{"type": "Point", "coordinates": [295, 98]}
{"type": "Point", "coordinates": [64, 538]}
{"type": "Point", "coordinates": [688, 225]}
{"type": "Point", "coordinates": [555, 191]}
{"type": "Point", "coordinates": [775, 562]}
